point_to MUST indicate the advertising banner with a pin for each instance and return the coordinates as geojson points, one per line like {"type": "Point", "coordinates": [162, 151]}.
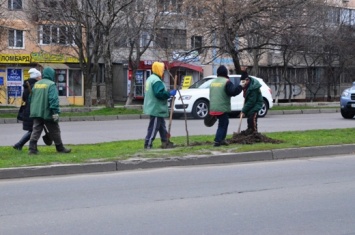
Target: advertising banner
{"type": "Point", "coordinates": [14, 82]}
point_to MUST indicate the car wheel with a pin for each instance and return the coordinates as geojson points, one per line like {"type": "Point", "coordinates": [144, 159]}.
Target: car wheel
{"type": "Point", "coordinates": [347, 114]}
{"type": "Point", "coordinates": [200, 109]}
{"type": "Point", "coordinates": [263, 111]}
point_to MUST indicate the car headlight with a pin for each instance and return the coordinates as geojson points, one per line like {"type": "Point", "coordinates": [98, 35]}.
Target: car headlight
{"type": "Point", "coordinates": [185, 97]}
{"type": "Point", "coordinates": [345, 93]}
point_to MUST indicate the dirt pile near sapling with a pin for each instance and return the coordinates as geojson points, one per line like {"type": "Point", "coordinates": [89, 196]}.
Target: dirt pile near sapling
{"type": "Point", "coordinates": [253, 138]}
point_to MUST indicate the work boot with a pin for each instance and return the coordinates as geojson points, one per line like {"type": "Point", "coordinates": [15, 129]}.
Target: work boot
{"type": "Point", "coordinates": [60, 149]}
{"type": "Point", "coordinates": [33, 148]}
{"type": "Point", "coordinates": [223, 142]}
{"type": "Point", "coordinates": [26, 137]}
{"type": "Point", "coordinates": [167, 145]}
{"type": "Point", "coordinates": [17, 147]}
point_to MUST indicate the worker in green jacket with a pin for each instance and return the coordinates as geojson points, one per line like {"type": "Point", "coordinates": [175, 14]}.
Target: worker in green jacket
{"type": "Point", "coordinates": [156, 106]}
{"type": "Point", "coordinates": [253, 102]}
{"type": "Point", "coordinates": [221, 91]}
{"type": "Point", "coordinates": [45, 110]}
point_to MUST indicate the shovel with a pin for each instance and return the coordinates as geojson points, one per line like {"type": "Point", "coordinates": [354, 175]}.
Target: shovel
{"type": "Point", "coordinates": [47, 138]}
{"type": "Point", "coordinates": [171, 110]}
{"type": "Point", "coordinates": [240, 122]}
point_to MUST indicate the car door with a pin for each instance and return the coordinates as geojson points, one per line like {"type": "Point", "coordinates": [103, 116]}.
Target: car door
{"type": "Point", "coordinates": [236, 101]}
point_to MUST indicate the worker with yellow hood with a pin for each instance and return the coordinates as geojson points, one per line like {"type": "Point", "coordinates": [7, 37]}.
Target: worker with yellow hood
{"type": "Point", "coordinates": [156, 106]}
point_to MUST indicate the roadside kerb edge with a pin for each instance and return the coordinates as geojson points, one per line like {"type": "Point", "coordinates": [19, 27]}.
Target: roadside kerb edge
{"type": "Point", "coordinates": [135, 164]}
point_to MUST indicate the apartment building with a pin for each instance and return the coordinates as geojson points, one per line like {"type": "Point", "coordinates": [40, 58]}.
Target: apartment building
{"type": "Point", "coordinates": [27, 42]}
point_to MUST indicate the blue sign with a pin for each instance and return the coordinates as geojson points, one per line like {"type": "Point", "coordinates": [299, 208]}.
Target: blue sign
{"type": "Point", "coordinates": [1, 81]}
{"type": "Point", "coordinates": [14, 91]}
{"type": "Point", "coordinates": [139, 77]}
{"type": "Point", "coordinates": [14, 75]}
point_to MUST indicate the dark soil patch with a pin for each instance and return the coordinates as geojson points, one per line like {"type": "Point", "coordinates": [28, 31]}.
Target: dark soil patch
{"type": "Point", "coordinates": [256, 137]}
{"type": "Point", "coordinates": [243, 138]}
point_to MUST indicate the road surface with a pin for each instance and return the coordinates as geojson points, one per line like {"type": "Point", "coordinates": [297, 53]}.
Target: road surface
{"type": "Point", "coordinates": [86, 132]}
{"type": "Point", "coordinates": [301, 196]}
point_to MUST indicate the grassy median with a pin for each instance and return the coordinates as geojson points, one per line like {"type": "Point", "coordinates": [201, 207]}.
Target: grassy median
{"type": "Point", "coordinates": [122, 150]}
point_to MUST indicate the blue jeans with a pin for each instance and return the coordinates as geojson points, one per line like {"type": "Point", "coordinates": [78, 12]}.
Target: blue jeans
{"type": "Point", "coordinates": [223, 122]}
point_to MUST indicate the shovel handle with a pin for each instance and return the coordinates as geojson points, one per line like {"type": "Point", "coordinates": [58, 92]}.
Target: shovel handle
{"type": "Point", "coordinates": [240, 123]}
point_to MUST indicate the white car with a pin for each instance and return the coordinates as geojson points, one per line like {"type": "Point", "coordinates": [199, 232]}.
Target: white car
{"type": "Point", "coordinates": [195, 99]}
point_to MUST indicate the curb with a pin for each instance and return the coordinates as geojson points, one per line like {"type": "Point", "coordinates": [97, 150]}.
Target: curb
{"type": "Point", "coordinates": [135, 164]}
{"type": "Point", "coordinates": [144, 116]}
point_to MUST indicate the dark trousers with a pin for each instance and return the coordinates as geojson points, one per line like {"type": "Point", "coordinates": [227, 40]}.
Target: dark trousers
{"type": "Point", "coordinates": [53, 129]}
{"type": "Point", "coordinates": [253, 122]}
{"type": "Point", "coordinates": [223, 122]}
{"type": "Point", "coordinates": [155, 124]}
{"type": "Point", "coordinates": [25, 138]}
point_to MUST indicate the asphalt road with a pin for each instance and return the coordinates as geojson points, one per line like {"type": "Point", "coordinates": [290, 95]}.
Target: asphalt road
{"type": "Point", "coordinates": [302, 196]}
{"type": "Point", "coordinates": [84, 132]}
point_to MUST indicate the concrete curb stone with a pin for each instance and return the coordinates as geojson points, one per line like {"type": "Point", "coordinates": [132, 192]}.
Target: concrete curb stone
{"type": "Point", "coordinates": [135, 164]}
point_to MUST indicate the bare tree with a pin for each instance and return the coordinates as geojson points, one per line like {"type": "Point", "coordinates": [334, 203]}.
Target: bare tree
{"type": "Point", "coordinates": [139, 26]}
{"type": "Point", "coordinates": [108, 18]}
{"type": "Point", "coordinates": [87, 25]}
{"type": "Point", "coordinates": [229, 24]}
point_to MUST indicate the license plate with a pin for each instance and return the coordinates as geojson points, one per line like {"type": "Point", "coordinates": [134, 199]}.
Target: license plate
{"type": "Point", "coordinates": [353, 105]}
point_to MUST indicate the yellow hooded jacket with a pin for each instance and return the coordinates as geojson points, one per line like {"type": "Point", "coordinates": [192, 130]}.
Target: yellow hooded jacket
{"type": "Point", "coordinates": [156, 95]}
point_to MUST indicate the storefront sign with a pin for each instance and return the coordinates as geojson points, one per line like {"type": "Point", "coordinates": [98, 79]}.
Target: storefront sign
{"type": "Point", "coordinates": [14, 91]}
{"type": "Point", "coordinates": [38, 57]}
{"type": "Point", "coordinates": [15, 59]}
{"type": "Point", "coordinates": [14, 76]}
{"type": "Point", "coordinates": [187, 82]}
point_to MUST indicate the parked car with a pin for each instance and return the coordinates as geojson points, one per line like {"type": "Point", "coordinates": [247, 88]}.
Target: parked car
{"type": "Point", "coordinates": [195, 99]}
{"type": "Point", "coordinates": [347, 102]}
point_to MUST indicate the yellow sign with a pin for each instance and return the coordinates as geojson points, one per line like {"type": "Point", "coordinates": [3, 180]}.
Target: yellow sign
{"type": "Point", "coordinates": [48, 57]}
{"type": "Point", "coordinates": [15, 58]}
{"type": "Point", "coordinates": [187, 82]}
{"type": "Point", "coordinates": [26, 75]}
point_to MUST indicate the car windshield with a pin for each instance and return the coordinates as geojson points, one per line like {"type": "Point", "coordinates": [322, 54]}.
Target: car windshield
{"type": "Point", "coordinates": [201, 84]}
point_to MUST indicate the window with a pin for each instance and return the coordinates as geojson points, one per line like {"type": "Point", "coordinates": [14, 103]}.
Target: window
{"type": "Point", "coordinates": [15, 4]}
{"type": "Point", "coordinates": [75, 83]}
{"type": "Point", "coordinates": [16, 38]}
{"type": "Point", "coordinates": [333, 15]}
{"type": "Point", "coordinates": [171, 38]}
{"type": "Point", "coordinates": [170, 5]}
{"type": "Point", "coordinates": [194, 11]}
{"type": "Point", "coordinates": [196, 43]}
{"type": "Point", "coordinates": [145, 39]}
{"type": "Point", "coordinates": [120, 37]}
{"type": "Point", "coordinates": [51, 34]}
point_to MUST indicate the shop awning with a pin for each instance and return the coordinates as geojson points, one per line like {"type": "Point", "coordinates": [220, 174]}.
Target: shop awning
{"type": "Point", "coordinates": [185, 65]}
{"type": "Point", "coordinates": [54, 65]}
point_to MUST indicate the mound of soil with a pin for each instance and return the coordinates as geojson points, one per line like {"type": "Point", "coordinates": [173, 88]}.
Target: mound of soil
{"type": "Point", "coordinates": [247, 138]}
{"type": "Point", "coordinates": [242, 138]}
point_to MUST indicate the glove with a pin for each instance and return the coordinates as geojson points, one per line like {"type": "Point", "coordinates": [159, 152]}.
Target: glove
{"type": "Point", "coordinates": [55, 117]}
{"type": "Point", "coordinates": [172, 92]}
{"type": "Point", "coordinates": [242, 83]}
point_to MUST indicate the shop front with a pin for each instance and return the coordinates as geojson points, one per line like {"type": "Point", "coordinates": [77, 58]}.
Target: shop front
{"type": "Point", "coordinates": [14, 71]}
{"type": "Point", "coordinates": [177, 68]}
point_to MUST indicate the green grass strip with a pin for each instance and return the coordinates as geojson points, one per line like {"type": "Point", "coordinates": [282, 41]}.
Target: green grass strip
{"type": "Point", "coordinates": [122, 150]}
